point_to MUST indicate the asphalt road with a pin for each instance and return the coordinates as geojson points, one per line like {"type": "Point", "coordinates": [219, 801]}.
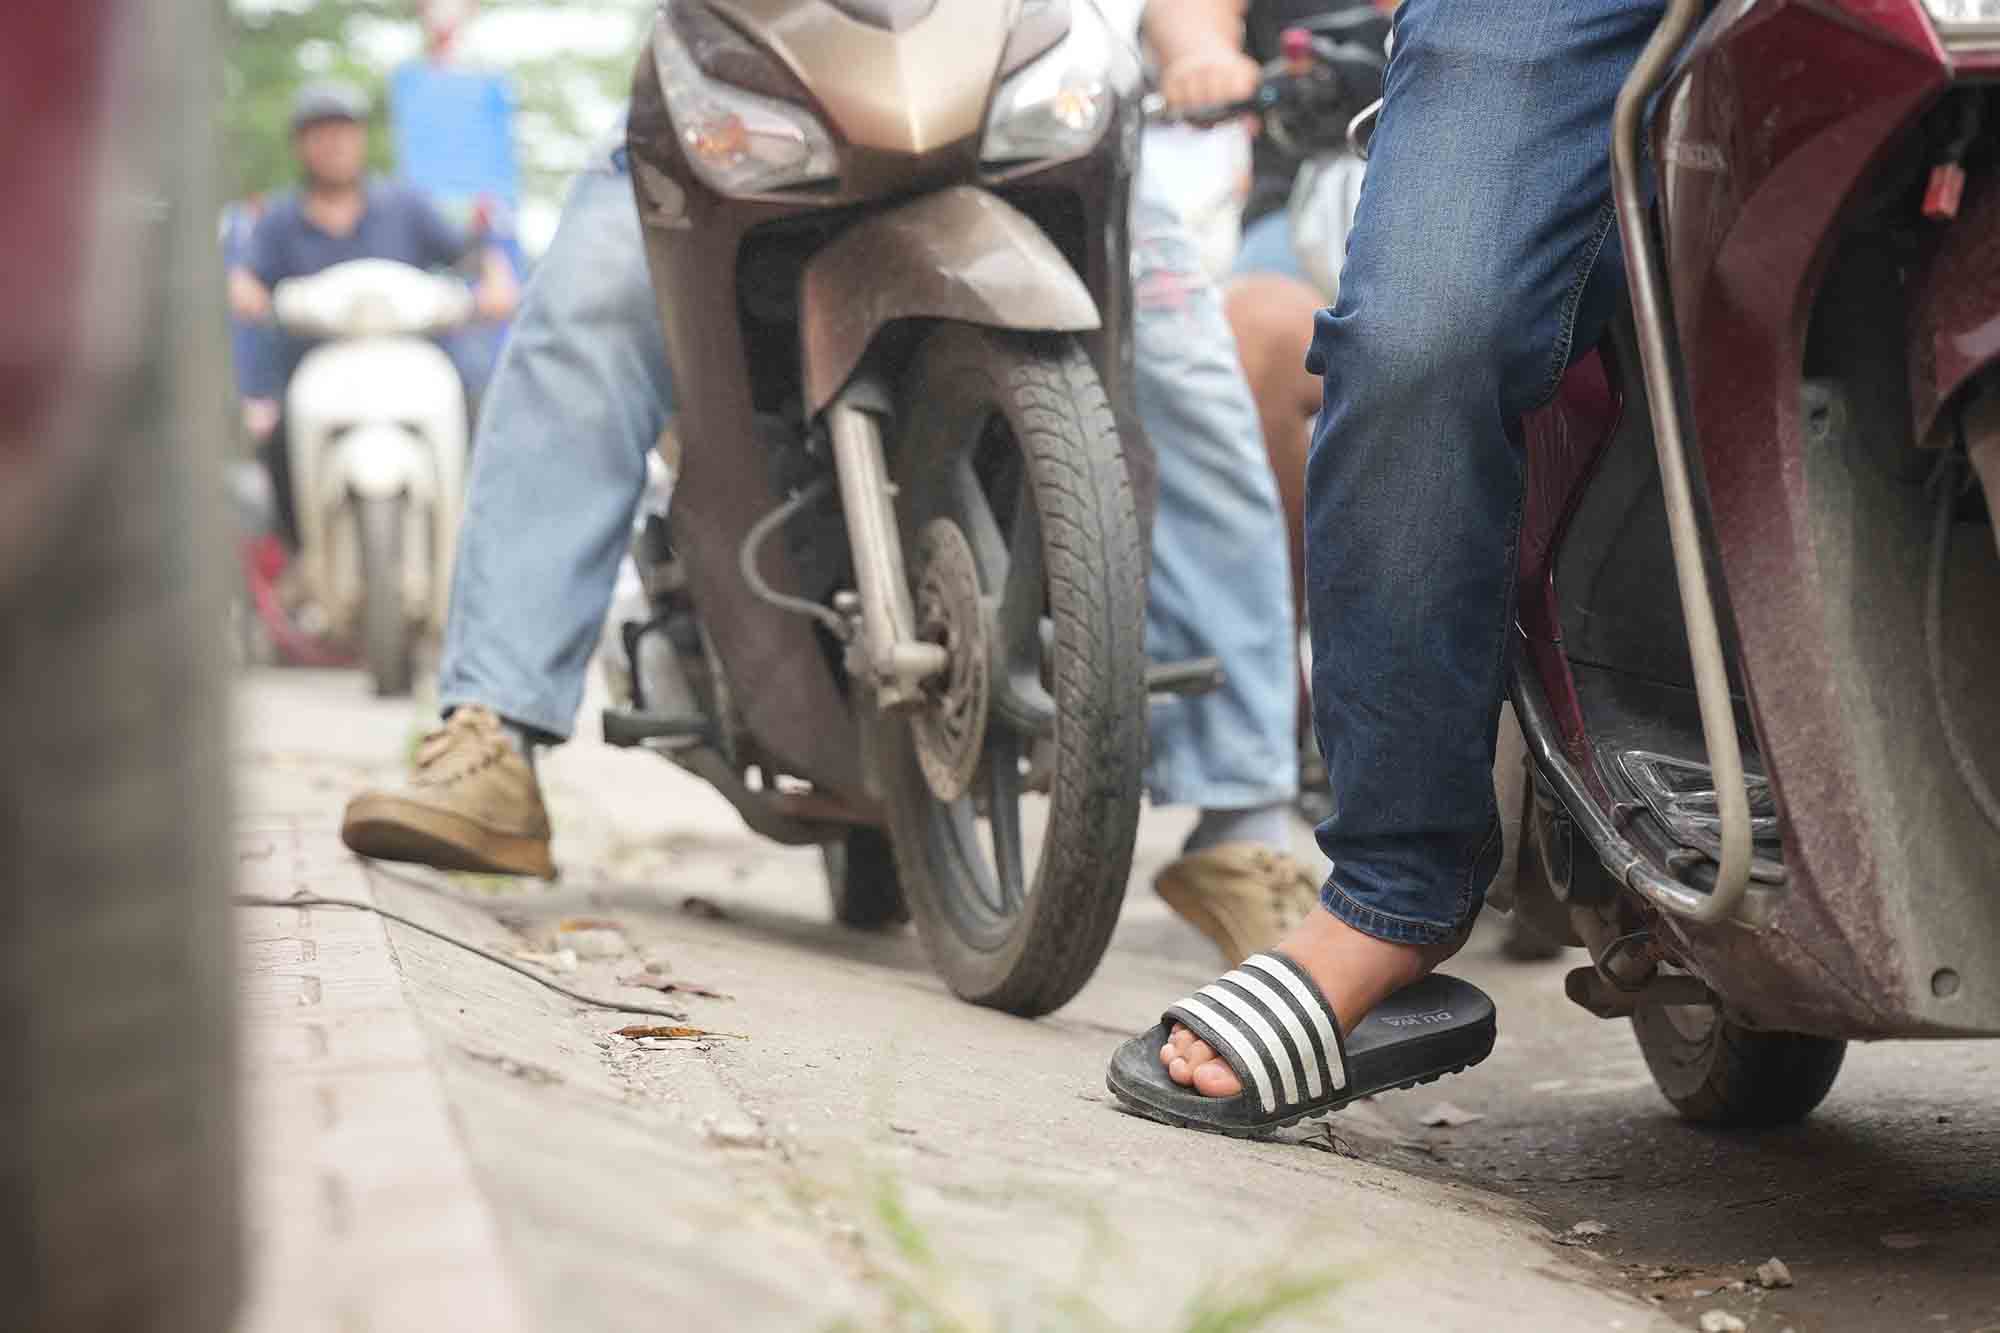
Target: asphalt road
{"type": "Point", "coordinates": [1885, 1207]}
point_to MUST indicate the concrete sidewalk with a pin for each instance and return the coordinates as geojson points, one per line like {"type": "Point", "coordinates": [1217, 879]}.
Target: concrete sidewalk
{"type": "Point", "coordinates": [438, 1143]}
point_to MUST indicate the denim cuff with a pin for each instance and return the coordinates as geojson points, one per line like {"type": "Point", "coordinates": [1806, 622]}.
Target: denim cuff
{"type": "Point", "coordinates": [1178, 789]}
{"type": "Point", "coordinates": [1381, 925]}
{"type": "Point", "coordinates": [532, 717]}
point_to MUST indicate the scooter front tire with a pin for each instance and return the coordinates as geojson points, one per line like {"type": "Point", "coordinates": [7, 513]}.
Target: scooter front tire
{"type": "Point", "coordinates": [1027, 416]}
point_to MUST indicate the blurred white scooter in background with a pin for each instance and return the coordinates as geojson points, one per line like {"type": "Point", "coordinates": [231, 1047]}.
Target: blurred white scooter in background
{"type": "Point", "coordinates": [377, 437]}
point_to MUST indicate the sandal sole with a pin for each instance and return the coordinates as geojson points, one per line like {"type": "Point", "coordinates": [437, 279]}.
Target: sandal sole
{"type": "Point", "coordinates": [1163, 1117]}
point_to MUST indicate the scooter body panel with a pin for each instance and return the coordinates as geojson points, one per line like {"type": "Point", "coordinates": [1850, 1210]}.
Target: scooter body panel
{"type": "Point", "coordinates": [1887, 921]}
{"type": "Point", "coordinates": [374, 417]}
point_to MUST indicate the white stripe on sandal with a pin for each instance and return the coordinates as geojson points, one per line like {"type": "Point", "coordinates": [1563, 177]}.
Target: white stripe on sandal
{"type": "Point", "coordinates": [1266, 1035]}
{"type": "Point", "coordinates": [1300, 1041]}
{"type": "Point", "coordinates": [1244, 1049]}
{"type": "Point", "coordinates": [1309, 1005]}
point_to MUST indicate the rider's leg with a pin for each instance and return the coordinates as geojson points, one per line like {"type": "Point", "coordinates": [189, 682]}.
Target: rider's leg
{"type": "Point", "coordinates": [1219, 588]}
{"type": "Point", "coordinates": [1484, 215]}
{"type": "Point", "coordinates": [580, 395]}
{"type": "Point", "coordinates": [1271, 316]}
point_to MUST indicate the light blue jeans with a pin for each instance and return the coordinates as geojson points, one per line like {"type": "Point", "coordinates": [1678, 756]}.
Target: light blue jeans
{"type": "Point", "coordinates": [583, 390]}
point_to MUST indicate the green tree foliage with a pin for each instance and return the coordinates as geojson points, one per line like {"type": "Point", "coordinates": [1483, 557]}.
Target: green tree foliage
{"type": "Point", "coordinates": [269, 53]}
{"type": "Point", "coordinates": [274, 46]}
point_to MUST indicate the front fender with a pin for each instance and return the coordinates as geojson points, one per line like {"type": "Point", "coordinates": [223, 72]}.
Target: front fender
{"type": "Point", "coordinates": [378, 461]}
{"type": "Point", "coordinates": [960, 254]}
{"type": "Point", "coordinates": [1955, 307]}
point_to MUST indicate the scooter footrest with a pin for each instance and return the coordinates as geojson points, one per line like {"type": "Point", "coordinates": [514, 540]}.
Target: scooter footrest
{"type": "Point", "coordinates": [1197, 675]}
{"type": "Point", "coordinates": [627, 728]}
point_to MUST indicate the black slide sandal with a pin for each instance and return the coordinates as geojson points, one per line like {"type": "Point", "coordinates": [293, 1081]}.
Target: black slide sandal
{"type": "Point", "coordinates": [1271, 1024]}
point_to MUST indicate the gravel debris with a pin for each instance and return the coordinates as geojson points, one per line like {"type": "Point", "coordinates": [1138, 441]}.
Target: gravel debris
{"type": "Point", "coordinates": [1446, 1116]}
{"type": "Point", "coordinates": [734, 1133]}
{"type": "Point", "coordinates": [1773, 1273]}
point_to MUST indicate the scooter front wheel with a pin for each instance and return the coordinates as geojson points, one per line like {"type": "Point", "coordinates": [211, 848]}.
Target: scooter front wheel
{"type": "Point", "coordinates": [1029, 568]}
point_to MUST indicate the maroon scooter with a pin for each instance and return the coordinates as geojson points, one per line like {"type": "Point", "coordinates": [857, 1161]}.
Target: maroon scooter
{"type": "Point", "coordinates": [1759, 598]}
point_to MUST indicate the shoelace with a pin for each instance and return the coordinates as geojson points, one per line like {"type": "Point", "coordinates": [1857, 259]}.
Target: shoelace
{"type": "Point", "coordinates": [1291, 888]}
{"type": "Point", "coordinates": [474, 736]}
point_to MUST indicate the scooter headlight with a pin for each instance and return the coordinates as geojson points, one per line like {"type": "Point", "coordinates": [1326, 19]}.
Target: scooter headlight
{"type": "Point", "coordinates": [1058, 104]}
{"type": "Point", "coordinates": [1964, 23]}
{"type": "Point", "coordinates": [739, 142]}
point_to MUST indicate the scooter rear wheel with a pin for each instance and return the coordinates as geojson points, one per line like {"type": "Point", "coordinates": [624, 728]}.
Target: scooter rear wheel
{"type": "Point", "coordinates": [1719, 1072]}
{"type": "Point", "coordinates": [1010, 438]}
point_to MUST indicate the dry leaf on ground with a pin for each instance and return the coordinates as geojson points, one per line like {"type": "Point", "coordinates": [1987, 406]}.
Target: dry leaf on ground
{"type": "Point", "coordinates": [668, 986]}
{"type": "Point", "coordinates": [674, 1033]}
{"type": "Point", "coordinates": [591, 937]}
{"type": "Point", "coordinates": [1322, 1138]}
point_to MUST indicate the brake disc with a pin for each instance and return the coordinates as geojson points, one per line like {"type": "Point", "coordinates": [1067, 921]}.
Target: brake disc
{"type": "Point", "coordinates": [950, 729]}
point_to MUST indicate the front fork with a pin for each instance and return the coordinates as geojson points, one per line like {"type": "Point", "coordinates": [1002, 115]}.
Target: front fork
{"type": "Point", "coordinates": [895, 660]}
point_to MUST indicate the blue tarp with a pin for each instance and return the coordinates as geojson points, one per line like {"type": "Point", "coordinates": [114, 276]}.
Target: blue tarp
{"type": "Point", "coordinates": [454, 134]}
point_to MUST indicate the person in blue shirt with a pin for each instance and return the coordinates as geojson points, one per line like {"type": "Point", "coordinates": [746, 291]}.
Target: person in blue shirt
{"type": "Point", "coordinates": [249, 344]}
{"type": "Point", "coordinates": [339, 214]}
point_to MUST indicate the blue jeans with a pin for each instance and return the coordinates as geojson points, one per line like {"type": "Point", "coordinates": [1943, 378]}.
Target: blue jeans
{"type": "Point", "coordinates": [583, 390]}
{"type": "Point", "coordinates": [1483, 256]}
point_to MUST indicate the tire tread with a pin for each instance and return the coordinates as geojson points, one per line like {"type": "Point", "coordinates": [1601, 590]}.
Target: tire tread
{"type": "Point", "coordinates": [1095, 564]}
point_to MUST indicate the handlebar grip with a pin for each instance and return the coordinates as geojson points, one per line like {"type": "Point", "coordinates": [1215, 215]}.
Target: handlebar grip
{"type": "Point", "coordinates": [1154, 107]}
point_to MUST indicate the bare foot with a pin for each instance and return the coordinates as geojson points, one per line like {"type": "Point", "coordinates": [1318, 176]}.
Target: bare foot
{"type": "Point", "coordinates": [1354, 971]}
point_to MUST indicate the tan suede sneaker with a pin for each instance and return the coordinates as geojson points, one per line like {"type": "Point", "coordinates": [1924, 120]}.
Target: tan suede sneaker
{"type": "Point", "coordinates": [472, 804]}
{"type": "Point", "coordinates": [1242, 895]}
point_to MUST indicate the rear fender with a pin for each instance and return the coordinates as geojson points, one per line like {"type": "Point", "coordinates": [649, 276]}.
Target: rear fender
{"type": "Point", "coordinates": [959, 254]}
{"type": "Point", "coordinates": [1955, 309]}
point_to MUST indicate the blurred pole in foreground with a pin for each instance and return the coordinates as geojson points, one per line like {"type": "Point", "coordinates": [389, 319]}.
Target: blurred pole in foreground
{"type": "Point", "coordinates": [118, 1127]}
